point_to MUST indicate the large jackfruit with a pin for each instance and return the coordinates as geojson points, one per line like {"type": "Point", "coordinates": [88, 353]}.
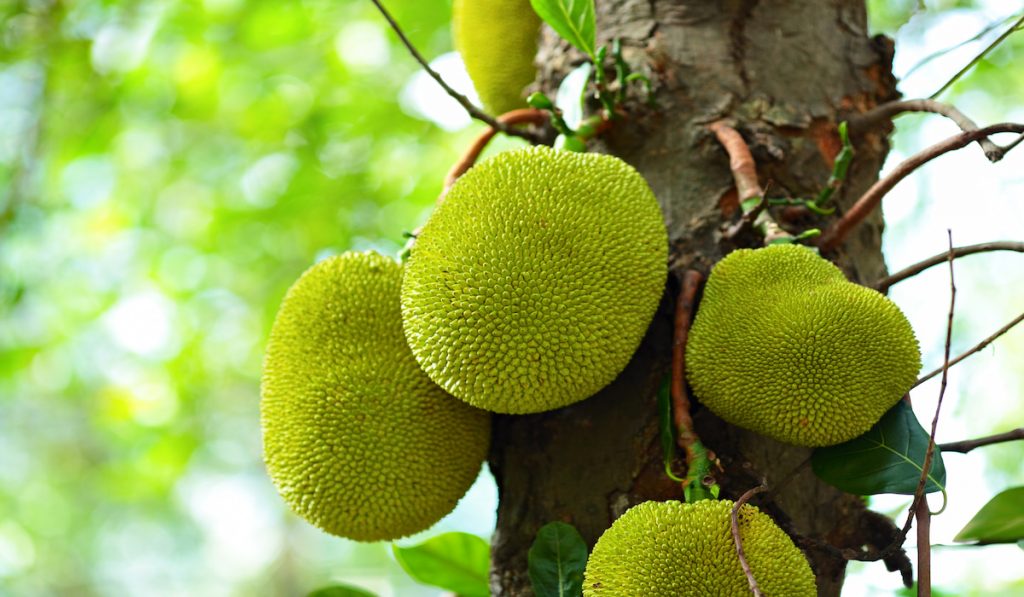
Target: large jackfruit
{"type": "Point", "coordinates": [497, 40]}
{"type": "Point", "coordinates": [531, 285]}
{"type": "Point", "coordinates": [785, 346]}
{"type": "Point", "coordinates": [356, 438]}
{"type": "Point", "coordinates": [672, 549]}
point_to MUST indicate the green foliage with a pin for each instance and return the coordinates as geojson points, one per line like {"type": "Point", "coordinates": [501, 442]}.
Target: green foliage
{"type": "Point", "coordinates": [888, 458]}
{"type": "Point", "coordinates": [556, 561]}
{"type": "Point", "coordinates": [457, 562]}
{"type": "Point", "coordinates": [1001, 520]}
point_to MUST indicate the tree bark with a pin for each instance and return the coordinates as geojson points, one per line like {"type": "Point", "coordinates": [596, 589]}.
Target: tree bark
{"type": "Point", "coordinates": [784, 73]}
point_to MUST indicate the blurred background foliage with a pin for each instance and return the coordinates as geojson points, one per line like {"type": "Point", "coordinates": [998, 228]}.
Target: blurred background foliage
{"type": "Point", "coordinates": [168, 169]}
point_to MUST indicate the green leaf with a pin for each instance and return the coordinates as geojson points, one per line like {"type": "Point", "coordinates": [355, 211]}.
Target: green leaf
{"type": "Point", "coordinates": [571, 93]}
{"type": "Point", "coordinates": [340, 591]}
{"type": "Point", "coordinates": [572, 19]}
{"type": "Point", "coordinates": [1001, 520]}
{"type": "Point", "coordinates": [457, 562]}
{"type": "Point", "coordinates": [556, 561]}
{"type": "Point", "coordinates": [887, 459]}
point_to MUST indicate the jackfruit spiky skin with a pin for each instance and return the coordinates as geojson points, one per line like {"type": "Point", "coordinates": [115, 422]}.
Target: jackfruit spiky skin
{"type": "Point", "coordinates": [532, 284]}
{"type": "Point", "coordinates": [356, 437]}
{"type": "Point", "coordinates": [497, 40]}
{"type": "Point", "coordinates": [672, 549]}
{"type": "Point", "coordinates": [785, 346]}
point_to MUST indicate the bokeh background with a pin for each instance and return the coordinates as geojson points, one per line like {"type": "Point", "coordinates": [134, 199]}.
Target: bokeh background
{"type": "Point", "coordinates": [169, 168]}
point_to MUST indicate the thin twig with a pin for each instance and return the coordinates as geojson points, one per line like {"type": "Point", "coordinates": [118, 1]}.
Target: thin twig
{"type": "Point", "coordinates": [686, 437]}
{"type": "Point", "coordinates": [979, 346]}
{"type": "Point", "coordinates": [472, 153]}
{"type": "Point", "coordinates": [867, 203]}
{"type": "Point", "coordinates": [734, 524]}
{"type": "Point", "coordinates": [929, 454]}
{"type": "Point", "coordinates": [1016, 25]}
{"type": "Point", "coordinates": [924, 553]}
{"type": "Point", "coordinates": [945, 51]}
{"type": "Point", "coordinates": [885, 112]}
{"type": "Point", "coordinates": [965, 446]}
{"type": "Point", "coordinates": [884, 284]}
{"type": "Point", "coordinates": [467, 105]}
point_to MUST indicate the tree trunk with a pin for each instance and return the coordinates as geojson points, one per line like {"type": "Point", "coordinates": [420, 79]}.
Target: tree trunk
{"type": "Point", "coordinates": [784, 73]}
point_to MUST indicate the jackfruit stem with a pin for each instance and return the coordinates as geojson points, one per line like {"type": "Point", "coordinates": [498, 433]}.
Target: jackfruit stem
{"type": "Point", "coordinates": [686, 437]}
{"type": "Point", "coordinates": [472, 153]}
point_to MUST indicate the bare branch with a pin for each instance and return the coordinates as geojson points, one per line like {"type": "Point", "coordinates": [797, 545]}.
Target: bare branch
{"type": "Point", "coordinates": [979, 346]}
{"type": "Point", "coordinates": [467, 105]}
{"type": "Point", "coordinates": [924, 553]}
{"type": "Point", "coordinates": [1015, 27]}
{"type": "Point", "coordinates": [867, 203]}
{"type": "Point", "coordinates": [884, 284]}
{"type": "Point", "coordinates": [929, 455]}
{"type": "Point", "coordinates": [734, 524]}
{"type": "Point", "coordinates": [862, 122]}
{"type": "Point", "coordinates": [967, 445]}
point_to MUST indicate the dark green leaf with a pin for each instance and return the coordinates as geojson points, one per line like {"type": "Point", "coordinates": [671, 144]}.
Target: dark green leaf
{"type": "Point", "coordinates": [457, 562]}
{"type": "Point", "coordinates": [340, 591]}
{"type": "Point", "coordinates": [887, 459]}
{"type": "Point", "coordinates": [557, 559]}
{"type": "Point", "coordinates": [572, 19]}
{"type": "Point", "coordinates": [1001, 520]}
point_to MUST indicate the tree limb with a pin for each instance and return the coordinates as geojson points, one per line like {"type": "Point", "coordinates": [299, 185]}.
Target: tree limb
{"type": "Point", "coordinates": [977, 347]}
{"type": "Point", "coordinates": [871, 198]}
{"type": "Point", "coordinates": [967, 445]}
{"type": "Point", "coordinates": [884, 284]}
{"type": "Point", "coordinates": [734, 525]}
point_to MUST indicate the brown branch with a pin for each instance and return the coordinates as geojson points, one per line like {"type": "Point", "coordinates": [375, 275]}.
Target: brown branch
{"type": "Point", "coordinates": [887, 111]}
{"type": "Point", "coordinates": [686, 437]}
{"type": "Point", "coordinates": [884, 284]}
{"type": "Point", "coordinates": [472, 153]}
{"type": "Point", "coordinates": [744, 174]}
{"type": "Point", "coordinates": [967, 445]}
{"type": "Point", "coordinates": [977, 347]}
{"type": "Point", "coordinates": [467, 105]}
{"type": "Point", "coordinates": [867, 203]}
{"type": "Point", "coordinates": [924, 553]}
{"type": "Point", "coordinates": [734, 525]}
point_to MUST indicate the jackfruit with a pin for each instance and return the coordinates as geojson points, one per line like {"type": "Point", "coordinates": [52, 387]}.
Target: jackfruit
{"type": "Point", "coordinates": [356, 438]}
{"type": "Point", "coordinates": [785, 346]}
{"type": "Point", "coordinates": [497, 40]}
{"type": "Point", "coordinates": [532, 284]}
{"type": "Point", "coordinates": [672, 549]}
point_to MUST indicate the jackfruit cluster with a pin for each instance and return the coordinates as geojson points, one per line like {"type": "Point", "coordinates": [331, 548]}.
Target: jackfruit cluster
{"type": "Point", "coordinates": [497, 40]}
{"type": "Point", "coordinates": [532, 284]}
{"type": "Point", "coordinates": [673, 549]}
{"type": "Point", "coordinates": [356, 437]}
{"type": "Point", "coordinates": [785, 346]}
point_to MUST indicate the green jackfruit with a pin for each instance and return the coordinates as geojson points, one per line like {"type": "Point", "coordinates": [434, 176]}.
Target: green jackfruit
{"type": "Point", "coordinates": [497, 40]}
{"type": "Point", "coordinates": [785, 346]}
{"type": "Point", "coordinates": [672, 549]}
{"type": "Point", "coordinates": [532, 284]}
{"type": "Point", "coordinates": [356, 438]}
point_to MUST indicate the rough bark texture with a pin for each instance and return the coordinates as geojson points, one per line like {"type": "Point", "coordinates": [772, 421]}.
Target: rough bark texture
{"type": "Point", "coordinates": [784, 73]}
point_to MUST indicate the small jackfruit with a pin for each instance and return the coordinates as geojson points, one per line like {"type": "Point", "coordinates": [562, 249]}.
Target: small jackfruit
{"type": "Point", "coordinates": [356, 438]}
{"type": "Point", "coordinates": [785, 346]}
{"type": "Point", "coordinates": [672, 549]}
{"type": "Point", "coordinates": [532, 284]}
{"type": "Point", "coordinates": [497, 40]}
